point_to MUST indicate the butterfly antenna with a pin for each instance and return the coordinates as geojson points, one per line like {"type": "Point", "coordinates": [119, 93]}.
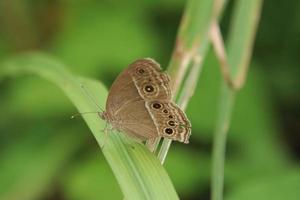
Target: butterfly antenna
{"type": "Point", "coordinates": [83, 113]}
{"type": "Point", "coordinates": [91, 97]}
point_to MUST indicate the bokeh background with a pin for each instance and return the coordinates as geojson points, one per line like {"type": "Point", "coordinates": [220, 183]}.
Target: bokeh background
{"type": "Point", "coordinates": [46, 155]}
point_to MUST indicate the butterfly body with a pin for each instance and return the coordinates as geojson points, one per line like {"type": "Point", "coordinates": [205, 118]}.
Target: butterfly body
{"type": "Point", "coordinates": [139, 103]}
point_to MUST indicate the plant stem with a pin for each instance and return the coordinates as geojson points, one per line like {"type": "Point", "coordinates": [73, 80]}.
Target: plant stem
{"type": "Point", "coordinates": [241, 38]}
{"type": "Point", "coordinates": [219, 145]}
{"type": "Point", "coordinates": [164, 150]}
{"type": "Point", "coordinates": [190, 84]}
{"type": "Point", "coordinates": [187, 92]}
{"type": "Point", "coordinates": [192, 33]}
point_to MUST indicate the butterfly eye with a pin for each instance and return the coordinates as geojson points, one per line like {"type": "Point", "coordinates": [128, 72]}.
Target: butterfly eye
{"type": "Point", "coordinates": [156, 105]}
{"type": "Point", "coordinates": [149, 88]}
{"type": "Point", "coordinates": [168, 131]}
{"type": "Point", "coordinates": [171, 123]}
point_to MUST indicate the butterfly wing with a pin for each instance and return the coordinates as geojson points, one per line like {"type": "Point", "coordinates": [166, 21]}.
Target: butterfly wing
{"type": "Point", "coordinates": [149, 80]}
{"type": "Point", "coordinates": [170, 120]}
{"type": "Point", "coordinates": [132, 85]}
{"type": "Point", "coordinates": [135, 120]}
{"type": "Point", "coordinates": [125, 106]}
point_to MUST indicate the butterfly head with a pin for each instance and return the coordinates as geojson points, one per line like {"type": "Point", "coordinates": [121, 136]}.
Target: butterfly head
{"type": "Point", "coordinates": [103, 115]}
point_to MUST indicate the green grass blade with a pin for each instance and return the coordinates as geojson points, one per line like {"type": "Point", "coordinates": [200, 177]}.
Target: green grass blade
{"type": "Point", "coordinates": [138, 172]}
{"type": "Point", "coordinates": [191, 41]}
{"type": "Point", "coordinates": [192, 33]}
{"type": "Point", "coordinates": [219, 143]}
{"type": "Point", "coordinates": [241, 39]}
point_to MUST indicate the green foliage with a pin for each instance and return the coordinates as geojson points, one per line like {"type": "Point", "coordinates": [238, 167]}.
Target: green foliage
{"type": "Point", "coordinates": [46, 155]}
{"type": "Point", "coordinates": [139, 173]}
{"type": "Point", "coordinates": [273, 187]}
{"type": "Point", "coordinates": [85, 180]}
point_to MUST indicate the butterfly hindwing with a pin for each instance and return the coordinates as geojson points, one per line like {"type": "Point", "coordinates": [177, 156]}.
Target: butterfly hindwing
{"type": "Point", "coordinates": [139, 103]}
{"type": "Point", "coordinates": [170, 120]}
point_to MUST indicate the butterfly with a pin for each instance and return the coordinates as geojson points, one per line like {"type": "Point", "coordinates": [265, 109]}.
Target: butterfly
{"type": "Point", "coordinates": [140, 104]}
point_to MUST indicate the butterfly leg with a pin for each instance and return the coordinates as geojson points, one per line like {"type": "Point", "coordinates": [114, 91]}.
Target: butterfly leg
{"type": "Point", "coordinates": [152, 144]}
{"type": "Point", "coordinates": [105, 131]}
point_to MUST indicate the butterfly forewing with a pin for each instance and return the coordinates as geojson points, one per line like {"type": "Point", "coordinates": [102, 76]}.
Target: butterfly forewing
{"type": "Point", "coordinates": [133, 101]}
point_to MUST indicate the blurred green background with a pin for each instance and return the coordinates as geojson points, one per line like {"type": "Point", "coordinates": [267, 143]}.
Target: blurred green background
{"type": "Point", "coordinates": [46, 155]}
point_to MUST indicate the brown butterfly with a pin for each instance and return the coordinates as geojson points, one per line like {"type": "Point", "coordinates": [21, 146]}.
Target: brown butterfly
{"type": "Point", "coordinates": [139, 103]}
